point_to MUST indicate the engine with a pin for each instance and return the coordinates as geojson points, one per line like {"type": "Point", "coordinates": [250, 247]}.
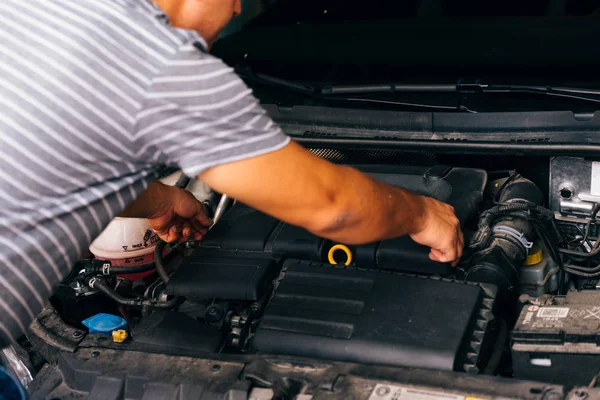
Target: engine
{"type": "Point", "coordinates": [256, 285]}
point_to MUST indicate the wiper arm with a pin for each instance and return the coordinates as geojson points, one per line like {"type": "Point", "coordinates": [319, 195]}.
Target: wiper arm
{"type": "Point", "coordinates": [323, 94]}
{"type": "Point", "coordinates": [459, 87]}
{"type": "Point", "coordinates": [465, 87]}
{"type": "Point", "coordinates": [368, 89]}
{"type": "Point", "coordinates": [246, 72]}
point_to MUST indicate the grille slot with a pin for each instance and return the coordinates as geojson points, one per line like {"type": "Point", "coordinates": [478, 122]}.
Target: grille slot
{"type": "Point", "coordinates": [375, 157]}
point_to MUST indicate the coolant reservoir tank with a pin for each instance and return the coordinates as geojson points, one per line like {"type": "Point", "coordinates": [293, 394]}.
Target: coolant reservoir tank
{"type": "Point", "coordinates": [126, 242]}
{"type": "Point", "coordinates": [129, 242]}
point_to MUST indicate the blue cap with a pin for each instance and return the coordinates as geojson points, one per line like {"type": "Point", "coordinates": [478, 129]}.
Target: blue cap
{"type": "Point", "coordinates": [104, 323]}
{"type": "Point", "coordinates": [10, 388]}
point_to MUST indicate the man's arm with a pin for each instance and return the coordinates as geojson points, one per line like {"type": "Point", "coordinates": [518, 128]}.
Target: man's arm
{"type": "Point", "coordinates": [216, 129]}
{"type": "Point", "coordinates": [337, 202]}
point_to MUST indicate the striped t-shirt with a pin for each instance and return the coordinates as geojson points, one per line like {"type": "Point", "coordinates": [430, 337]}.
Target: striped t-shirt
{"type": "Point", "coordinates": [96, 96]}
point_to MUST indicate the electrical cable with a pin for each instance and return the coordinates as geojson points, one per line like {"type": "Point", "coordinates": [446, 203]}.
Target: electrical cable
{"type": "Point", "coordinates": [586, 233]}
{"type": "Point", "coordinates": [580, 270]}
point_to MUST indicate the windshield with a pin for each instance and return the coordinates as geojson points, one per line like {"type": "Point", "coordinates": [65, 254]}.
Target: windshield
{"type": "Point", "coordinates": [334, 42]}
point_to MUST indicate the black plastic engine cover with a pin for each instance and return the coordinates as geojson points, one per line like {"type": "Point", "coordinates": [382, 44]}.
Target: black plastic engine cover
{"type": "Point", "coordinates": [245, 229]}
{"type": "Point", "coordinates": [224, 275]}
{"type": "Point", "coordinates": [375, 317]}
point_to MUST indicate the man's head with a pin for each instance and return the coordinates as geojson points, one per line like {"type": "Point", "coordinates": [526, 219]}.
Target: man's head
{"type": "Point", "coordinates": [207, 17]}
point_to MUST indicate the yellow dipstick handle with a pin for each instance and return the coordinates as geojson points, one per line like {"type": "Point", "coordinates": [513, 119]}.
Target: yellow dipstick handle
{"type": "Point", "coordinates": [337, 247]}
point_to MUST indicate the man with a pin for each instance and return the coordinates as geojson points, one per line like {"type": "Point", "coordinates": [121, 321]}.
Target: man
{"type": "Point", "coordinates": [97, 95]}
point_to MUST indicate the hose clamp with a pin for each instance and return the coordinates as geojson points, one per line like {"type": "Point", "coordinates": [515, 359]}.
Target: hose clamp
{"type": "Point", "coordinates": [519, 236]}
{"type": "Point", "coordinates": [92, 282]}
{"type": "Point", "coordinates": [106, 269]}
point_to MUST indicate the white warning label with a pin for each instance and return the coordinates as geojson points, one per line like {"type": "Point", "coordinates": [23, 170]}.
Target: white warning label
{"type": "Point", "coordinates": [553, 312]}
{"type": "Point", "coordinates": [392, 392]}
{"type": "Point", "coordinates": [528, 318]}
{"type": "Point", "coordinates": [594, 313]}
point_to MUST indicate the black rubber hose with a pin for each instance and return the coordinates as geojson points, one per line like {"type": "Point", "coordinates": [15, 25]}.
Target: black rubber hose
{"type": "Point", "coordinates": [595, 269]}
{"type": "Point", "coordinates": [132, 270]}
{"type": "Point", "coordinates": [581, 274]}
{"type": "Point", "coordinates": [497, 211]}
{"type": "Point", "coordinates": [579, 255]}
{"type": "Point", "coordinates": [159, 262]}
{"type": "Point", "coordinates": [543, 235]}
{"type": "Point", "coordinates": [100, 285]}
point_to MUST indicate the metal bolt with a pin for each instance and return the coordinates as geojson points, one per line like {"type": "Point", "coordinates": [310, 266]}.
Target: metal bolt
{"type": "Point", "coordinates": [77, 334]}
{"type": "Point", "coordinates": [215, 368]}
{"type": "Point", "coordinates": [212, 311]}
{"type": "Point", "coordinates": [95, 354]}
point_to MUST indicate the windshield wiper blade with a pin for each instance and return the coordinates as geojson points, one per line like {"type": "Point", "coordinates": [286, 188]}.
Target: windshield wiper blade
{"type": "Point", "coordinates": [581, 94]}
{"type": "Point", "coordinates": [479, 87]}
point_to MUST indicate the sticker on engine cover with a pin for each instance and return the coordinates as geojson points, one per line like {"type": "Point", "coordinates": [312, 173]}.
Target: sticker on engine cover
{"type": "Point", "coordinates": [392, 392]}
{"type": "Point", "coordinates": [545, 317]}
{"type": "Point", "coordinates": [592, 313]}
{"type": "Point", "coordinates": [553, 312]}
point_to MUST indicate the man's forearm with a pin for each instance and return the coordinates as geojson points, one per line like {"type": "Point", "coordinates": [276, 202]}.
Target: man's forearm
{"type": "Point", "coordinates": [332, 201]}
{"type": "Point", "coordinates": [337, 202]}
{"type": "Point", "coordinates": [372, 211]}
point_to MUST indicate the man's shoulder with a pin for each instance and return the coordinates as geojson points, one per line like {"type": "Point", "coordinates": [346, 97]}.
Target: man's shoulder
{"type": "Point", "coordinates": [138, 25]}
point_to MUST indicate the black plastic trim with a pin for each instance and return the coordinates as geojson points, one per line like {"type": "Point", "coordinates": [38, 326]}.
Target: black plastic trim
{"type": "Point", "coordinates": [449, 146]}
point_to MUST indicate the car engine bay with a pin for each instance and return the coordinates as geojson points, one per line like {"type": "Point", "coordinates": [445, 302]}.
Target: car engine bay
{"type": "Point", "coordinates": [523, 303]}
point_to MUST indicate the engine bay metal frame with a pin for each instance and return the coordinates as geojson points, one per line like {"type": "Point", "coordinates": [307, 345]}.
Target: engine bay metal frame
{"type": "Point", "coordinates": [101, 369]}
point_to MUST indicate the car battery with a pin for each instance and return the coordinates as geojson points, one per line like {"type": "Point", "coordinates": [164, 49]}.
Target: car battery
{"type": "Point", "coordinates": [557, 339]}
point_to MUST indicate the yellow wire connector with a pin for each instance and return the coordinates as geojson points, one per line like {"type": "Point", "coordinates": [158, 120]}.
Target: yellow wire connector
{"type": "Point", "coordinates": [119, 336]}
{"type": "Point", "coordinates": [335, 248]}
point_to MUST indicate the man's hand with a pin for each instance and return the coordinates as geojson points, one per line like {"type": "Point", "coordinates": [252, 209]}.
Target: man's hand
{"type": "Point", "coordinates": [173, 213]}
{"type": "Point", "coordinates": [440, 231]}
